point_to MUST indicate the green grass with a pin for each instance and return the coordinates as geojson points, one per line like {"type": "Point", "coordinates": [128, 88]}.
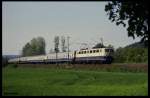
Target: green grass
{"type": "Point", "coordinates": [71, 82]}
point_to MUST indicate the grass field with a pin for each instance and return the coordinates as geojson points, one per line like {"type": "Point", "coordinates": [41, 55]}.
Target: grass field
{"type": "Point", "coordinates": [72, 82]}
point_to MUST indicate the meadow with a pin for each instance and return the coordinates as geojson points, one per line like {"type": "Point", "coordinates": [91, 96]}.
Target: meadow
{"type": "Point", "coordinates": [37, 81]}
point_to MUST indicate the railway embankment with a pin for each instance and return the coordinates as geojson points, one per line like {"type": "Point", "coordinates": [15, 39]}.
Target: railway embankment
{"type": "Point", "coordinates": [120, 67]}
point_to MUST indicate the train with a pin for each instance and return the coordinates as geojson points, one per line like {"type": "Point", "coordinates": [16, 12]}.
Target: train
{"type": "Point", "coordinates": [97, 55]}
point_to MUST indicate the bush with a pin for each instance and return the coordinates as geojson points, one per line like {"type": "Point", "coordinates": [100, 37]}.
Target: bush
{"type": "Point", "coordinates": [131, 55]}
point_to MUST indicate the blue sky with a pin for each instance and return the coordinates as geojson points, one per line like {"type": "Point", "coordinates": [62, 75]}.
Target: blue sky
{"type": "Point", "coordinates": [84, 22]}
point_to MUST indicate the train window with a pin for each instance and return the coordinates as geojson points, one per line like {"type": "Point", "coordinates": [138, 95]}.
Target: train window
{"type": "Point", "coordinates": [93, 51]}
{"type": "Point", "coordinates": [84, 52]}
{"type": "Point", "coordinates": [90, 51]}
{"type": "Point", "coordinates": [111, 50]}
{"type": "Point", "coordinates": [97, 50]}
{"type": "Point", "coordinates": [87, 51]}
{"type": "Point", "coordinates": [106, 50]}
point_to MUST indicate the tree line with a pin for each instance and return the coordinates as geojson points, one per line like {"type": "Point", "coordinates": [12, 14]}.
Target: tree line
{"type": "Point", "coordinates": [131, 55]}
{"type": "Point", "coordinates": [37, 46]}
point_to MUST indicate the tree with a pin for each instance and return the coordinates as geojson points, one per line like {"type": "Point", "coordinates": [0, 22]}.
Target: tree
{"type": "Point", "coordinates": [63, 44]}
{"type": "Point", "coordinates": [56, 41]}
{"type": "Point", "coordinates": [110, 46]}
{"type": "Point", "coordinates": [99, 45]}
{"type": "Point", "coordinates": [136, 13]}
{"type": "Point", "coordinates": [35, 47]}
{"type": "Point", "coordinates": [119, 55]}
{"type": "Point", "coordinates": [41, 45]}
{"type": "Point", "coordinates": [131, 55]}
{"type": "Point", "coordinates": [27, 50]}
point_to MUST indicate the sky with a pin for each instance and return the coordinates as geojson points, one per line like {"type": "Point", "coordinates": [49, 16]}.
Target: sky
{"type": "Point", "coordinates": [83, 22]}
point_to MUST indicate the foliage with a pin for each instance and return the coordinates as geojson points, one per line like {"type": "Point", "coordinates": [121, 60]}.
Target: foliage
{"type": "Point", "coordinates": [56, 41]}
{"type": "Point", "coordinates": [137, 45]}
{"type": "Point", "coordinates": [27, 50]}
{"type": "Point", "coordinates": [99, 45]}
{"type": "Point", "coordinates": [110, 46]}
{"type": "Point", "coordinates": [35, 47]}
{"type": "Point", "coordinates": [64, 82]}
{"type": "Point", "coordinates": [136, 13]}
{"type": "Point", "coordinates": [63, 41]}
{"type": "Point", "coordinates": [131, 55]}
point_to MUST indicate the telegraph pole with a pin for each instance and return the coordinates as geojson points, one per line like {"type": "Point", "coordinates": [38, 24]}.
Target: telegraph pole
{"type": "Point", "coordinates": [68, 48]}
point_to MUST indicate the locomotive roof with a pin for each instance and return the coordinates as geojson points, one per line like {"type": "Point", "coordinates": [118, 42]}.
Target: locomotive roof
{"type": "Point", "coordinates": [95, 48]}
